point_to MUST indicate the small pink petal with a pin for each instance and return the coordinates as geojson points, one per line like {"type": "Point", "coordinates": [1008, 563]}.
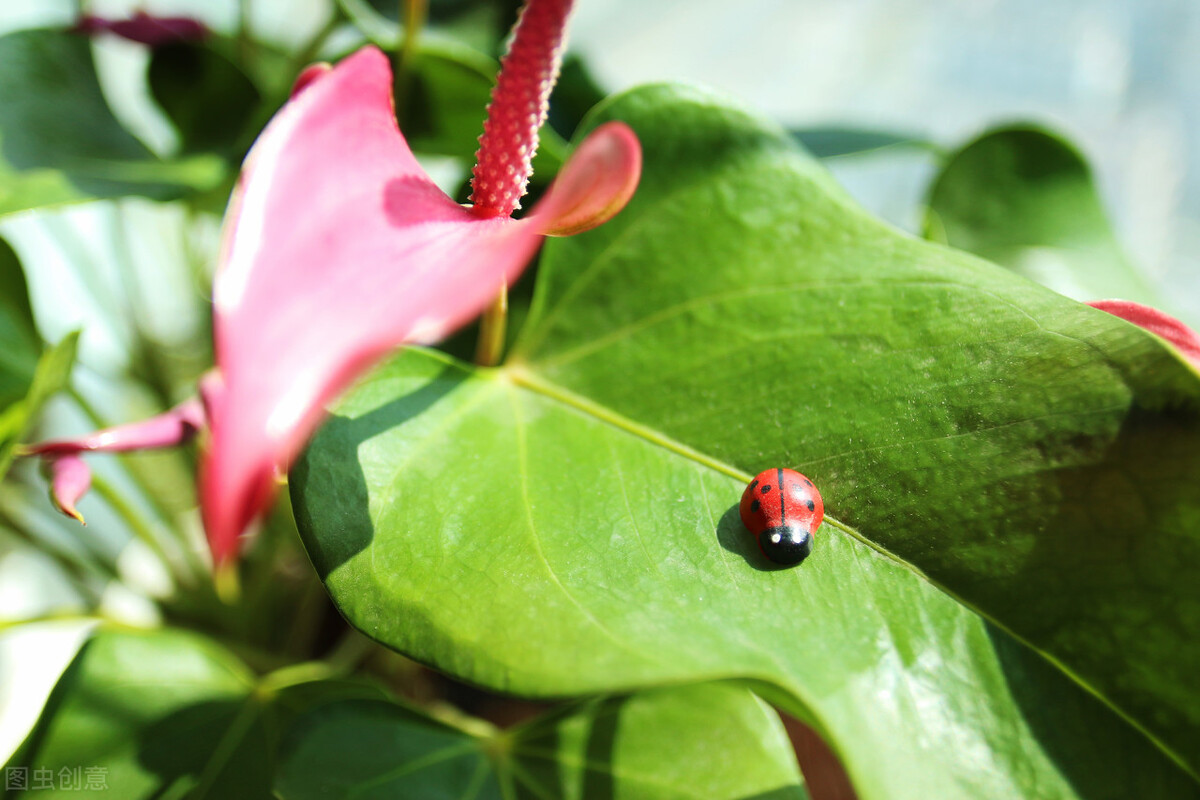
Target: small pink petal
{"type": "Point", "coordinates": [171, 428]}
{"type": "Point", "coordinates": [595, 183]}
{"type": "Point", "coordinates": [70, 479]}
{"type": "Point", "coordinates": [146, 29]}
{"type": "Point", "coordinates": [1155, 321]}
{"type": "Point", "coordinates": [338, 248]}
{"type": "Point", "coordinates": [309, 75]}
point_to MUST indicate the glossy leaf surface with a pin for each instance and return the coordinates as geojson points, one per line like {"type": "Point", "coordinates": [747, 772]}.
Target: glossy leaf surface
{"type": "Point", "coordinates": [1026, 199]}
{"type": "Point", "coordinates": [716, 742]}
{"type": "Point", "coordinates": [60, 143]}
{"type": "Point", "coordinates": [966, 427]}
{"type": "Point", "coordinates": [498, 568]}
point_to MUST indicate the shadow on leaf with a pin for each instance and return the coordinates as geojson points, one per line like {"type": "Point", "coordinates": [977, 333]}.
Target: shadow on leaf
{"type": "Point", "coordinates": [340, 438]}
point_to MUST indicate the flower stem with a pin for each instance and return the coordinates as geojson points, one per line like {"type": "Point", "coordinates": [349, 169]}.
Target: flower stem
{"type": "Point", "coordinates": [140, 529]}
{"type": "Point", "coordinates": [413, 13]}
{"type": "Point", "coordinates": [492, 329]}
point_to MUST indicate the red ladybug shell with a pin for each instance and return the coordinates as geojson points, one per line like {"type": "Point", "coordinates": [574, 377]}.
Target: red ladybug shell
{"type": "Point", "coordinates": [783, 510]}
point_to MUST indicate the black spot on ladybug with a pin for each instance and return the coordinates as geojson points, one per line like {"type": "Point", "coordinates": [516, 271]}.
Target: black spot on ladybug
{"type": "Point", "coordinates": [754, 483]}
{"type": "Point", "coordinates": [806, 480]}
{"type": "Point", "coordinates": [811, 505]}
{"type": "Point", "coordinates": [755, 506]}
{"type": "Point", "coordinates": [766, 488]}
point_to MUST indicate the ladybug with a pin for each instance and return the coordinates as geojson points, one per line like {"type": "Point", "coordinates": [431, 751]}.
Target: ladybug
{"type": "Point", "coordinates": [783, 510]}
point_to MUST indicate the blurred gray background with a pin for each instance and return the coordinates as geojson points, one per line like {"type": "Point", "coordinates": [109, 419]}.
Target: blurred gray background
{"type": "Point", "coordinates": [1121, 78]}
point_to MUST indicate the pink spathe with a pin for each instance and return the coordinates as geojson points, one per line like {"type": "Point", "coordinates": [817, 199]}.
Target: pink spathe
{"type": "Point", "coordinates": [338, 248]}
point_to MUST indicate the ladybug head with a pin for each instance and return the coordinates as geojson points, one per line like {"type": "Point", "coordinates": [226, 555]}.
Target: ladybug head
{"type": "Point", "coordinates": [786, 544]}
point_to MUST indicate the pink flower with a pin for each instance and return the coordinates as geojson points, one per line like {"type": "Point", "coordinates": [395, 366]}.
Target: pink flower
{"type": "Point", "coordinates": [146, 29]}
{"type": "Point", "coordinates": [70, 477]}
{"type": "Point", "coordinates": [338, 248]}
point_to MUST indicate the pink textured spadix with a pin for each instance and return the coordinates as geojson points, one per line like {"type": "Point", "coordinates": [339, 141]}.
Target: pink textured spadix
{"type": "Point", "coordinates": [519, 104]}
{"type": "Point", "coordinates": [338, 248]}
{"type": "Point", "coordinates": [1157, 322]}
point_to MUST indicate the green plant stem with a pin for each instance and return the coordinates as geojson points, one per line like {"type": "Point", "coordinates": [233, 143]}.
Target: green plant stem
{"type": "Point", "coordinates": [413, 13]}
{"type": "Point", "coordinates": [138, 526]}
{"type": "Point", "coordinates": [243, 30]}
{"type": "Point", "coordinates": [492, 329]}
{"type": "Point", "coordinates": [307, 54]}
{"type": "Point", "coordinates": [350, 651]}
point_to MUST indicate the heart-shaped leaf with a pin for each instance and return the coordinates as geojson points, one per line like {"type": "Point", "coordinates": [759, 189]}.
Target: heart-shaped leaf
{"type": "Point", "coordinates": [60, 143]}
{"type": "Point", "coordinates": [1025, 198]}
{"type": "Point", "coordinates": [540, 546]}
{"type": "Point", "coordinates": [968, 430]}
{"type": "Point", "coordinates": [651, 746]}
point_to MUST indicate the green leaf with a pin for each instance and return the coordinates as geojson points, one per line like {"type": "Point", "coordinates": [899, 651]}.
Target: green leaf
{"type": "Point", "coordinates": [167, 714]}
{"type": "Point", "coordinates": [709, 741]}
{"type": "Point", "coordinates": [442, 109]}
{"type": "Point", "coordinates": [970, 431]}
{"type": "Point", "coordinates": [579, 556]}
{"type": "Point", "coordinates": [51, 376]}
{"type": "Point", "coordinates": [833, 142]}
{"type": "Point", "coordinates": [1026, 199]}
{"type": "Point", "coordinates": [576, 92]}
{"type": "Point", "coordinates": [480, 25]}
{"type": "Point", "coordinates": [209, 99]}
{"type": "Point", "coordinates": [60, 143]}
{"type": "Point", "coordinates": [20, 344]}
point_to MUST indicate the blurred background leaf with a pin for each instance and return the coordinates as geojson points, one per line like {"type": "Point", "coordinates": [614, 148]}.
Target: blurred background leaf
{"type": "Point", "coordinates": [59, 142]}
{"type": "Point", "coordinates": [713, 741]}
{"type": "Point", "coordinates": [1025, 198]}
{"type": "Point", "coordinates": [208, 98]}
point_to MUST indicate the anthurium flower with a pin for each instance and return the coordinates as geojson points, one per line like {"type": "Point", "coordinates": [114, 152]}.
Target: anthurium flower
{"type": "Point", "coordinates": [70, 477]}
{"type": "Point", "coordinates": [338, 248]}
{"type": "Point", "coordinates": [1164, 325]}
{"type": "Point", "coordinates": [146, 29]}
